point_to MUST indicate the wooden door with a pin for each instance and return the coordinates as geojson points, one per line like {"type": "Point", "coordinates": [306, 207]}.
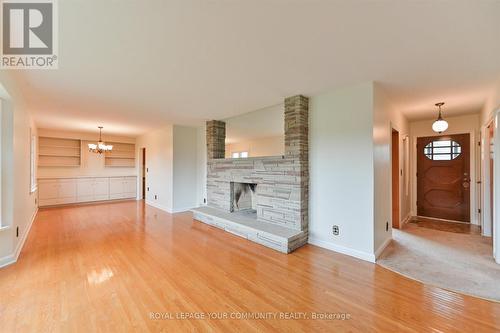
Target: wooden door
{"type": "Point", "coordinates": [443, 177]}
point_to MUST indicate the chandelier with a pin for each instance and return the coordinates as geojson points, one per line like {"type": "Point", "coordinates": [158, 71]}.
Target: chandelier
{"type": "Point", "coordinates": [99, 147]}
{"type": "Point", "coordinates": [440, 125]}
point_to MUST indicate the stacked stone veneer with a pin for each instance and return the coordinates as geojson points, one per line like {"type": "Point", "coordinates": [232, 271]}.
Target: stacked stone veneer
{"type": "Point", "coordinates": [282, 181]}
{"type": "Point", "coordinates": [216, 137]}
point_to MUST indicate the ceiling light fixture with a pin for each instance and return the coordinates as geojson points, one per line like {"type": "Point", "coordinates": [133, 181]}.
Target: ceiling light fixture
{"type": "Point", "coordinates": [99, 147]}
{"type": "Point", "coordinates": [440, 125]}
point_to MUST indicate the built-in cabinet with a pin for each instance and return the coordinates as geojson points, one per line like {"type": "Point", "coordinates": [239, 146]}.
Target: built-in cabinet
{"type": "Point", "coordinates": [92, 189]}
{"type": "Point", "coordinates": [56, 192]}
{"type": "Point", "coordinates": [59, 191]}
{"type": "Point", "coordinates": [122, 187]}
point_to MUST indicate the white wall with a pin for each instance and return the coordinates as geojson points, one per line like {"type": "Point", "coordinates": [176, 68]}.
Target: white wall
{"type": "Point", "coordinates": [7, 203]}
{"type": "Point", "coordinates": [457, 125]}
{"type": "Point", "coordinates": [382, 204]}
{"type": "Point", "coordinates": [91, 164]}
{"type": "Point", "coordinates": [159, 162]}
{"type": "Point", "coordinates": [184, 168]}
{"type": "Point", "coordinates": [491, 106]}
{"type": "Point", "coordinates": [18, 202]}
{"type": "Point", "coordinates": [172, 164]}
{"type": "Point", "coordinates": [386, 118]}
{"type": "Point", "coordinates": [269, 146]}
{"type": "Point", "coordinates": [341, 170]}
{"type": "Point", "coordinates": [201, 165]}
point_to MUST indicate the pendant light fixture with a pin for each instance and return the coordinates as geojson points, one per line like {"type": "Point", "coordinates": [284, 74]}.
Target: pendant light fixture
{"type": "Point", "coordinates": [99, 147]}
{"type": "Point", "coordinates": [440, 125]}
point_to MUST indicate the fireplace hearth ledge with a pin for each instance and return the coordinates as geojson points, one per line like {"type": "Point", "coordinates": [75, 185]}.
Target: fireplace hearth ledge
{"type": "Point", "coordinates": [271, 235]}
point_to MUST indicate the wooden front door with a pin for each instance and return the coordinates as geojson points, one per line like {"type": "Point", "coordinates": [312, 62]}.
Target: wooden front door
{"type": "Point", "coordinates": [443, 177]}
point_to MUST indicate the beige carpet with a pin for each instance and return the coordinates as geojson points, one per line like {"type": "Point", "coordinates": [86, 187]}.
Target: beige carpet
{"type": "Point", "coordinates": [453, 261]}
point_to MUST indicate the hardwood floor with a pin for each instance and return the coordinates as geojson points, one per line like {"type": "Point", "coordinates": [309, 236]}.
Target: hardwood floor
{"type": "Point", "coordinates": [456, 227]}
{"type": "Point", "coordinates": [105, 268]}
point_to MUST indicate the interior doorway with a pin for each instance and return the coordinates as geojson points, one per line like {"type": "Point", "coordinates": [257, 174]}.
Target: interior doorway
{"type": "Point", "coordinates": [443, 177]}
{"type": "Point", "coordinates": [491, 176]}
{"type": "Point", "coordinates": [144, 172]}
{"type": "Point", "coordinates": [395, 179]}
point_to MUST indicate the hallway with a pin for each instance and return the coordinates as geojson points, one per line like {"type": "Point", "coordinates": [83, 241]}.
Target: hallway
{"type": "Point", "coordinates": [449, 255]}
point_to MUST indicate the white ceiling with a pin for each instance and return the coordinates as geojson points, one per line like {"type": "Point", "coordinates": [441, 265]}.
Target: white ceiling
{"type": "Point", "coordinates": [136, 65]}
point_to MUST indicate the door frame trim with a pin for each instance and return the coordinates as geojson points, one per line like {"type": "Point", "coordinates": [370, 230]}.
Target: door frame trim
{"type": "Point", "coordinates": [472, 157]}
{"type": "Point", "coordinates": [398, 176]}
{"type": "Point", "coordinates": [486, 190]}
{"type": "Point", "coordinates": [496, 189]}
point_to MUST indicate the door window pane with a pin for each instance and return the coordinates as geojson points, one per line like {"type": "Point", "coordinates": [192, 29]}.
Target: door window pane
{"type": "Point", "coordinates": [443, 150]}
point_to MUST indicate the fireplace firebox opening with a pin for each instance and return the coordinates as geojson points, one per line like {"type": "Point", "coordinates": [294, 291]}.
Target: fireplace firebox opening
{"type": "Point", "coordinates": [243, 198]}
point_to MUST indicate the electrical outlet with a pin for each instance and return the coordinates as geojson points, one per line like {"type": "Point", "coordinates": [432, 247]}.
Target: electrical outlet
{"type": "Point", "coordinates": [17, 231]}
{"type": "Point", "coordinates": [387, 226]}
{"type": "Point", "coordinates": [204, 200]}
{"type": "Point", "coordinates": [148, 188]}
{"type": "Point", "coordinates": [156, 197]}
{"type": "Point", "coordinates": [335, 230]}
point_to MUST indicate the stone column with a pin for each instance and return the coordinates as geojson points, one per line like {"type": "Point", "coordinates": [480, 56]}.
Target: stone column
{"type": "Point", "coordinates": [216, 139]}
{"type": "Point", "coordinates": [297, 127]}
{"type": "Point", "coordinates": [297, 147]}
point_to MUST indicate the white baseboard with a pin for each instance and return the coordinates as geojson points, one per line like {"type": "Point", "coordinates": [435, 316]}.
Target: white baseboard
{"type": "Point", "coordinates": [382, 247]}
{"type": "Point", "coordinates": [157, 205]}
{"type": "Point", "coordinates": [21, 242]}
{"type": "Point", "coordinates": [169, 210]}
{"type": "Point", "coordinates": [180, 210]}
{"type": "Point", "coordinates": [7, 260]}
{"type": "Point", "coordinates": [12, 258]}
{"type": "Point", "coordinates": [370, 257]}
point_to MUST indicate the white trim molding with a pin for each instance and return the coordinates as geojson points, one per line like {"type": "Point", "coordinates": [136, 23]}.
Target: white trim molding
{"type": "Point", "coordinates": [181, 210]}
{"type": "Point", "coordinates": [157, 205]}
{"type": "Point", "coordinates": [12, 258]}
{"type": "Point", "coordinates": [370, 257]}
{"type": "Point", "coordinates": [382, 247]}
{"type": "Point", "coordinates": [168, 210]}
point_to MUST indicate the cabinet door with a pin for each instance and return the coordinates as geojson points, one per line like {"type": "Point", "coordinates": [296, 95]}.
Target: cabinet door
{"type": "Point", "coordinates": [116, 185]}
{"type": "Point", "coordinates": [130, 187]}
{"type": "Point", "coordinates": [48, 190]}
{"type": "Point", "coordinates": [101, 189]}
{"type": "Point", "coordinates": [67, 189]}
{"type": "Point", "coordinates": [85, 188]}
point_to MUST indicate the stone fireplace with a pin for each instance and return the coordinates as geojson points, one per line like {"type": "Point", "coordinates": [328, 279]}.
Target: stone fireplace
{"type": "Point", "coordinates": [273, 189]}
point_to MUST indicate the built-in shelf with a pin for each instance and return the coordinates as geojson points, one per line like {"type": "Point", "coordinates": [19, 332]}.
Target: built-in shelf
{"type": "Point", "coordinates": [59, 152]}
{"type": "Point", "coordinates": [122, 155]}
